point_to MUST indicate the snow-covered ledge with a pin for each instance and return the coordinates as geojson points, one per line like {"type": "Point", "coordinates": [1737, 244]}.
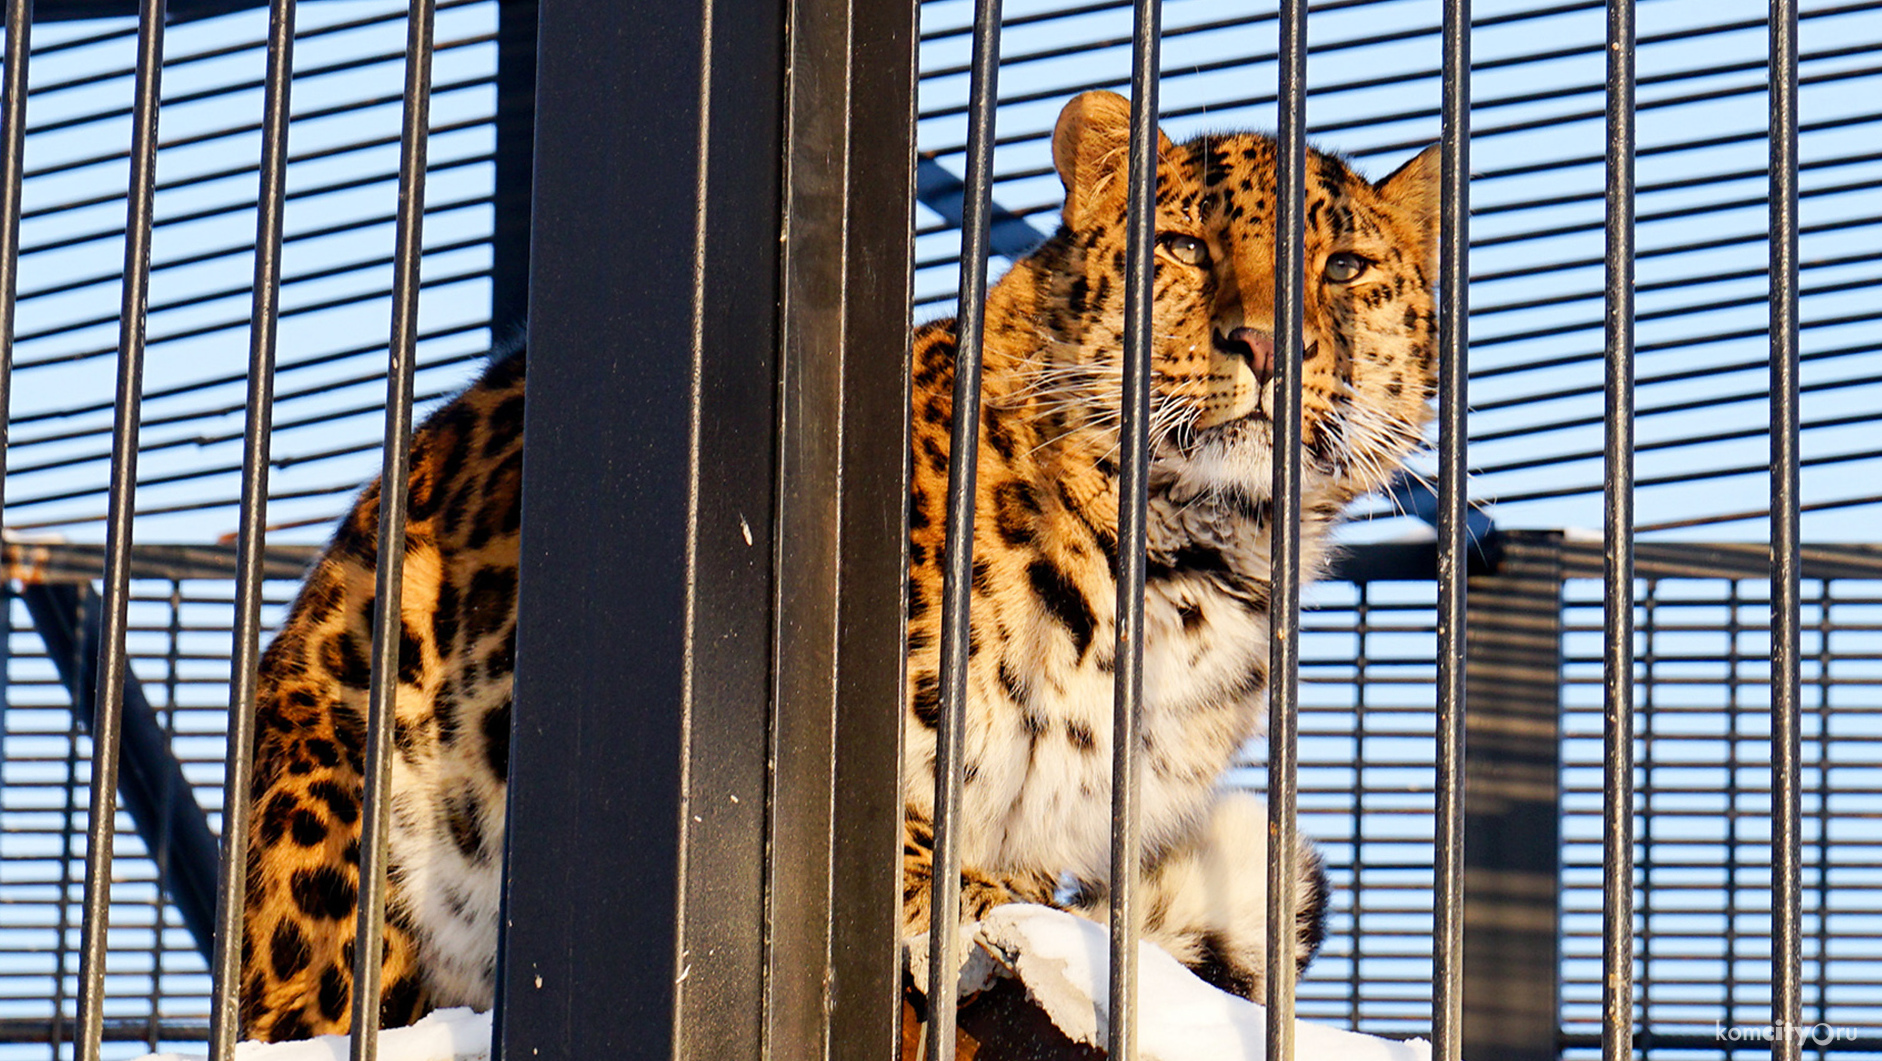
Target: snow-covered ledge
{"type": "Point", "coordinates": [1063, 963]}
{"type": "Point", "coordinates": [445, 1035]}
{"type": "Point", "coordinates": [1060, 964]}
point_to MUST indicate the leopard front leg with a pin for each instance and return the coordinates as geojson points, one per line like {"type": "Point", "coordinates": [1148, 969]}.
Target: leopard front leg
{"type": "Point", "coordinates": [1206, 899]}
{"type": "Point", "coordinates": [981, 890]}
{"type": "Point", "coordinates": [302, 895]}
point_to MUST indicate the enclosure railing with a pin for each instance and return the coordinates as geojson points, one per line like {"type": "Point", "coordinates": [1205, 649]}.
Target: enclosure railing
{"type": "Point", "coordinates": [716, 434]}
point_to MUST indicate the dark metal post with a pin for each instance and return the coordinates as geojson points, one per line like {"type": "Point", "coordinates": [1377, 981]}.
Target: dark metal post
{"type": "Point", "coordinates": [866, 872]}
{"type": "Point", "coordinates": [833, 911]}
{"type": "Point", "coordinates": [1786, 551]}
{"type": "Point", "coordinates": [645, 589]}
{"type": "Point", "coordinates": [515, 160]}
{"type": "Point", "coordinates": [1512, 826]}
{"type": "Point", "coordinates": [1284, 563]}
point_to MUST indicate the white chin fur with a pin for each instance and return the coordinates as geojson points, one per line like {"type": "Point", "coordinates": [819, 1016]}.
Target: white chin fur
{"type": "Point", "coordinates": [1242, 462]}
{"type": "Point", "coordinates": [1238, 459]}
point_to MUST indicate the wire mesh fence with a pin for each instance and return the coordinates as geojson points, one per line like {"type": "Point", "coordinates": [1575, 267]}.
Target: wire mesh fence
{"type": "Point", "coordinates": [180, 615]}
{"type": "Point", "coordinates": [1366, 796]}
{"type": "Point", "coordinates": [1703, 839]}
{"type": "Point", "coordinates": [1536, 220]}
{"type": "Point", "coordinates": [336, 255]}
{"type": "Point", "coordinates": [1703, 834]}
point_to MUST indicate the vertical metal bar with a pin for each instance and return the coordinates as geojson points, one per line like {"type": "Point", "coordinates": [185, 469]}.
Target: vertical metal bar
{"type": "Point", "coordinates": [1617, 852]}
{"type": "Point", "coordinates": [161, 849]}
{"type": "Point", "coordinates": [866, 912]}
{"type": "Point", "coordinates": [833, 865]}
{"type": "Point", "coordinates": [957, 575]}
{"type": "Point", "coordinates": [394, 475]}
{"type": "Point", "coordinates": [1734, 842]}
{"type": "Point", "coordinates": [1786, 555]}
{"type": "Point", "coordinates": [108, 695]}
{"type": "Point", "coordinates": [1284, 563]}
{"type": "Point", "coordinates": [1825, 593]}
{"type": "Point", "coordinates": [1648, 631]}
{"type": "Point", "coordinates": [1362, 704]}
{"type": "Point", "coordinates": [1447, 1003]}
{"type": "Point", "coordinates": [1132, 515]}
{"type": "Point", "coordinates": [245, 653]}
{"type": "Point", "coordinates": [62, 930]}
{"type": "Point", "coordinates": [13, 93]}
{"type": "Point", "coordinates": [12, 170]}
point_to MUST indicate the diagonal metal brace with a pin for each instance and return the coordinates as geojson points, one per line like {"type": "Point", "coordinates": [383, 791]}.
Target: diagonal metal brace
{"type": "Point", "coordinates": [151, 784]}
{"type": "Point", "coordinates": [1010, 235]}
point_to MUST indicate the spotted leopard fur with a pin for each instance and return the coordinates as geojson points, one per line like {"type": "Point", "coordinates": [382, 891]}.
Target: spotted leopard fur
{"type": "Point", "coordinates": [1037, 787]}
{"type": "Point", "coordinates": [451, 741]}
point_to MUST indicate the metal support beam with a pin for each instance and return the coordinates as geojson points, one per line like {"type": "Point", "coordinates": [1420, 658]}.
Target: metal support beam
{"type": "Point", "coordinates": [713, 527]}
{"type": "Point", "coordinates": [634, 879]}
{"type": "Point", "coordinates": [833, 917]}
{"type": "Point", "coordinates": [1008, 234]}
{"type": "Point", "coordinates": [1512, 803]}
{"type": "Point", "coordinates": [160, 799]}
{"type": "Point", "coordinates": [515, 161]}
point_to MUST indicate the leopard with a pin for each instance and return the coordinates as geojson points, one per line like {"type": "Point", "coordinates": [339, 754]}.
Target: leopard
{"type": "Point", "coordinates": [1035, 820]}
{"type": "Point", "coordinates": [1036, 793]}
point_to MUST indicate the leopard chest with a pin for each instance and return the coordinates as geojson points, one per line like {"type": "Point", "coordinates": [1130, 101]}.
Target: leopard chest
{"type": "Point", "coordinates": [1039, 752]}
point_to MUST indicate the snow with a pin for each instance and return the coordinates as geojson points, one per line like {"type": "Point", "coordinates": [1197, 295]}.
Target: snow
{"type": "Point", "coordinates": [444, 1035]}
{"type": "Point", "coordinates": [1064, 962]}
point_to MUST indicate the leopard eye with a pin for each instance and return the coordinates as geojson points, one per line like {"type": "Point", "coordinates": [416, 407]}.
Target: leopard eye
{"type": "Point", "coordinates": [1184, 248]}
{"type": "Point", "coordinates": [1345, 267]}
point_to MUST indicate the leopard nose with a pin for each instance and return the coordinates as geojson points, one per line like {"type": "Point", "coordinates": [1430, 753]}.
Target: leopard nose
{"type": "Point", "coordinates": [1257, 348]}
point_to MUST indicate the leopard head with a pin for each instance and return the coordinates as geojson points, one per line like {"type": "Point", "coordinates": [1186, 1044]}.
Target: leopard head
{"type": "Point", "coordinates": [1370, 322]}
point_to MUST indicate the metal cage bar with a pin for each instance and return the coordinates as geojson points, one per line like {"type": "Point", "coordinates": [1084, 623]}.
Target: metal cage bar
{"type": "Point", "coordinates": [257, 435]}
{"type": "Point", "coordinates": [1447, 1004]}
{"type": "Point", "coordinates": [1284, 523]}
{"type": "Point", "coordinates": [389, 576]}
{"type": "Point", "coordinates": [19, 31]}
{"type": "Point", "coordinates": [107, 705]}
{"type": "Point", "coordinates": [1617, 860]}
{"type": "Point", "coordinates": [1133, 494]}
{"type": "Point", "coordinates": [957, 568]}
{"type": "Point", "coordinates": [19, 22]}
{"type": "Point", "coordinates": [1786, 548]}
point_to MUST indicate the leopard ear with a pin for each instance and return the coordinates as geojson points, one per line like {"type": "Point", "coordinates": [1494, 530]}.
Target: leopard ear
{"type": "Point", "coordinates": [1091, 150]}
{"type": "Point", "coordinates": [1413, 189]}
